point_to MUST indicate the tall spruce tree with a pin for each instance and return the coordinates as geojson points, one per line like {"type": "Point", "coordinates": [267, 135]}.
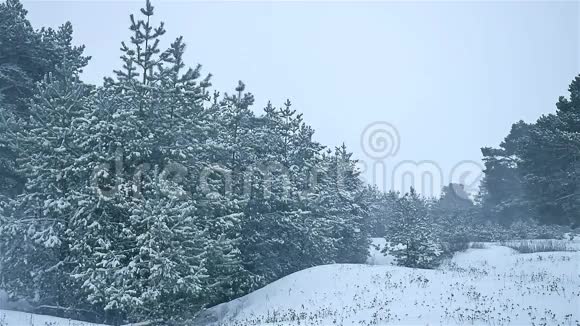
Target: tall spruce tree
{"type": "Point", "coordinates": [158, 253]}
{"type": "Point", "coordinates": [350, 224]}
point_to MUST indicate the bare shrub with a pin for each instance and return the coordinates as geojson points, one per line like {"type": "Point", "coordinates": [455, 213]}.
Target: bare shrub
{"type": "Point", "coordinates": [477, 245]}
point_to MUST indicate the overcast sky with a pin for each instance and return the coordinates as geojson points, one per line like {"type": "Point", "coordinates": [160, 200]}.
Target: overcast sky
{"type": "Point", "coordinates": [451, 77]}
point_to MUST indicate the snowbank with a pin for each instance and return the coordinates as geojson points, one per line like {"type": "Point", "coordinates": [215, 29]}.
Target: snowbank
{"type": "Point", "coordinates": [495, 285]}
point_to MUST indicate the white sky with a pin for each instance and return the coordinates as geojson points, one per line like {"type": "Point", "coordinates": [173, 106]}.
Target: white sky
{"type": "Point", "coordinates": [451, 77]}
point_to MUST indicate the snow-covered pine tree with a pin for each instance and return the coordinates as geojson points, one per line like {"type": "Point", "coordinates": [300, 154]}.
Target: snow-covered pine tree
{"type": "Point", "coordinates": [282, 233]}
{"type": "Point", "coordinates": [346, 207]}
{"type": "Point", "coordinates": [227, 156]}
{"type": "Point", "coordinates": [39, 248]}
{"type": "Point", "coordinates": [153, 248]}
{"type": "Point", "coordinates": [169, 266]}
{"type": "Point", "coordinates": [410, 235]}
{"type": "Point", "coordinates": [26, 56]}
{"type": "Point", "coordinates": [306, 167]}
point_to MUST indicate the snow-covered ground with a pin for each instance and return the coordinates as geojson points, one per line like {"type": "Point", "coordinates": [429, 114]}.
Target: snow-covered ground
{"type": "Point", "coordinates": [492, 286]}
{"type": "Point", "coordinates": [16, 318]}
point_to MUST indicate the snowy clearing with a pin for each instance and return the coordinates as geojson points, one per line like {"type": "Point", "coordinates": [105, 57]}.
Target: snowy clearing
{"type": "Point", "coordinates": [491, 286]}
{"type": "Point", "coordinates": [495, 285]}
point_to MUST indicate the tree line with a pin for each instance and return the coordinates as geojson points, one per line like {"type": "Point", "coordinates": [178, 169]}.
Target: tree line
{"type": "Point", "coordinates": [535, 172]}
{"type": "Point", "coordinates": [154, 196]}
